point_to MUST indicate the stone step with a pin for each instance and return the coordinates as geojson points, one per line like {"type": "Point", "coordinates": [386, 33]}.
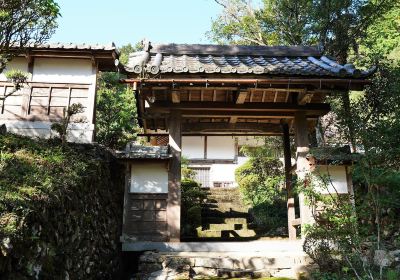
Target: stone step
{"type": "Point", "coordinates": [223, 200]}
{"type": "Point", "coordinates": [227, 208]}
{"type": "Point", "coordinates": [221, 190]}
{"type": "Point", "coordinates": [211, 213]}
{"type": "Point", "coordinates": [224, 226]}
{"type": "Point", "coordinates": [221, 220]}
{"type": "Point", "coordinates": [227, 264]}
{"type": "Point", "coordinates": [272, 246]}
{"type": "Point", "coordinates": [225, 233]}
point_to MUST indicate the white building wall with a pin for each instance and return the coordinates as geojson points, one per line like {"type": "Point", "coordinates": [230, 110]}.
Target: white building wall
{"type": "Point", "coordinates": [337, 176]}
{"type": "Point", "coordinates": [61, 71]}
{"type": "Point", "coordinates": [149, 178]}
{"type": "Point", "coordinates": [193, 147]}
{"type": "Point", "coordinates": [226, 172]}
{"type": "Point", "coordinates": [218, 148]}
{"type": "Point", "coordinates": [221, 147]}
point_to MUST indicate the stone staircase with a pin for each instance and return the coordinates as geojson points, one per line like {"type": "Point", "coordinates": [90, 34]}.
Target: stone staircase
{"type": "Point", "coordinates": [249, 260]}
{"type": "Point", "coordinates": [225, 217]}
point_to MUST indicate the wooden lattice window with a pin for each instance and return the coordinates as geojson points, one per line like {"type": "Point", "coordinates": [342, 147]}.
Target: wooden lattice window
{"type": "Point", "coordinates": [202, 175]}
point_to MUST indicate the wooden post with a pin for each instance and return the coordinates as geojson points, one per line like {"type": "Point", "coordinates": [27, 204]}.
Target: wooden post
{"type": "Point", "coordinates": [174, 176]}
{"type": "Point", "coordinates": [303, 167]}
{"type": "Point", "coordinates": [288, 181]}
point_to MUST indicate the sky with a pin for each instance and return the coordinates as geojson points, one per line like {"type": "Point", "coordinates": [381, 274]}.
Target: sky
{"type": "Point", "coordinates": [130, 21]}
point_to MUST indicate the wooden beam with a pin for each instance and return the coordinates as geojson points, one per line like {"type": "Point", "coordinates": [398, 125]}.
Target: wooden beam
{"type": "Point", "coordinates": [250, 110]}
{"type": "Point", "coordinates": [288, 181]}
{"type": "Point", "coordinates": [165, 106]}
{"type": "Point", "coordinates": [295, 222]}
{"type": "Point", "coordinates": [174, 177]}
{"type": "Point", "coordinates": [304, 98]}
{"type": "Point", "coordinates": [287, 97]}
{"type": "Point", "coordinates": [175, 96]}
{"type": "Point", "coordinates": [243, 115]}
{"type": "Point", "coordinates": [233, 119]}
{"type": "Point", "coordinates": [223, 114]}
{"type": "Point", "coordinates": [49, 101]}
{"type": "Point", "coordinates": [141, 109]}
{"type": "Point", "coordinates": [303, 167]}
{"type": "Point", "coordinates": [241, 97]}
{"type": "Point", "coordinates": [325, 83]}
{"type": "Point", "coordinates": [205, 147]}
{"type": "Point", "coordinates": [230, 127]}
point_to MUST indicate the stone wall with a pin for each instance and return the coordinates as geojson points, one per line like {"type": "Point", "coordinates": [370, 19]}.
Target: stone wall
{"type": "Point", "coordinates": [60, 211]}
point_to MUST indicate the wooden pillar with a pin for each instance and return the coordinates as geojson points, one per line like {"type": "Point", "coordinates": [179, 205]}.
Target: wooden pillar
{"type": "Point", "coordinates": [174, 177]}
{"type": "Point", "coordinates": [303, 167]}
{"type": "Point", "coordinates": [288, 181]}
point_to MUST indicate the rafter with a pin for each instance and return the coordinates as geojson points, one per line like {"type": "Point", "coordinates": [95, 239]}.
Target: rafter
{"type": "Point", "coordinates": [241, 97]}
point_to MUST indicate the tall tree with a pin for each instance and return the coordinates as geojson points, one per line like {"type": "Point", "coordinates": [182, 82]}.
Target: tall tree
{"type": "Point", "coordinates": [337, 25]}
{"type": "Point", "coordinates": [25, 22]}
{"type": "Point", "coordinates": [116, 123]}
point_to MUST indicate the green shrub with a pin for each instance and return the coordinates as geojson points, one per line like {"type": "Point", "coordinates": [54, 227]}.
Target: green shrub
{"type": "Point", "coordinates": [192, 197]}
{"type": "Point", "coordinates": [260, 182]}
{"type": "Point", "coordinates": [60, 209]}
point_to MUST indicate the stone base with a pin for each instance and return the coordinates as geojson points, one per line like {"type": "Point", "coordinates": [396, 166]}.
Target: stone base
{"type": "Point", "coordinates": [198, 265]}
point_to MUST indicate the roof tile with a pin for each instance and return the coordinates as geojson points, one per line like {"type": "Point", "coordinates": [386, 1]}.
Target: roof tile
{"type": "Point", "coordinates": [293, 61]}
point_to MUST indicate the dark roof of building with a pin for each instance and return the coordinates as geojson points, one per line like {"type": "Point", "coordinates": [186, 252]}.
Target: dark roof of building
{"type": "Point", "coordinates": [333, 155]}
{"type": "Point", "coordinates": [228, 59]}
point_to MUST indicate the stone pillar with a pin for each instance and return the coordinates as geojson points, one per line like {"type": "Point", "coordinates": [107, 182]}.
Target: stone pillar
{"type": "Point", "coordinates": [174, 176]}
{"type": "Point", "coordinates": [303, 167]}
{"type": "Point", "coordinates": [288, 182]}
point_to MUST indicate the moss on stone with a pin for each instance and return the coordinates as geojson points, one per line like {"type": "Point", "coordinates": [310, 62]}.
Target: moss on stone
{"type": "Point", "coordinates": [60, 210]}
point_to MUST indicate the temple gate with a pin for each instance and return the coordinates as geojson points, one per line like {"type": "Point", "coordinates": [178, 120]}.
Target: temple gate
{"type": "Point", "coordinates": [208, 90]}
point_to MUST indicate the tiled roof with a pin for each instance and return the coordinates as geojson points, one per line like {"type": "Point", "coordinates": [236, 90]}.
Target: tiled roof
{"type": "Point", "coordinates": [72, 46]}
{"type": "Point", "coordinates": [144, 152]}
{"type": "Point", "coordinates": [278, 60]}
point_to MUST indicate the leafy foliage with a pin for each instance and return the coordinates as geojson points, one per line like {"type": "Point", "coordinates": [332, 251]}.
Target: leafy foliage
{"type": "Point", "coordinates": [187, 173]}
{"type": "Point", "coordinates": [260, 181]}
{"type": "Point", "coordinates": [116, 123]}
{"type": "Point", "coordinates": [17, 77]}
{"type": "Point", "coordinates": [337, 25]}
{"type": "Point", "coordinates": [192, 198]}
{"type": "Point", "coordinates": [128, 49]}
{"type": "Point", "coordinates": [25, 22]}
{"type": "Point", "coordinates": [62, 127]}
{"type": "Point", "coordinates": [60, 209]}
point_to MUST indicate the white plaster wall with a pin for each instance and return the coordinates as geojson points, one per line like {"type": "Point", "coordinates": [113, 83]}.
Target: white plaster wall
{"type": "Point", "coordinates": [222, 173]}
{"type": "Point", "coordinates": [149, 178]}
{"type": "Point", "coordinates": [77, 132]}
{"type": "Point", "coordinates": [59, 70]}
{"type": "Point", "coordinates": [62, 70]}
{"type": "Point", "coordinates": [18, 63]}
{"type": "Point", "coordinates": [193, 147]}
{"type": "Point", "coordinates": [252, 141]}
{"type": "Point", "coordinates": [337, 175]}
{"type": "Point", "coordinates": [220, 147]}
